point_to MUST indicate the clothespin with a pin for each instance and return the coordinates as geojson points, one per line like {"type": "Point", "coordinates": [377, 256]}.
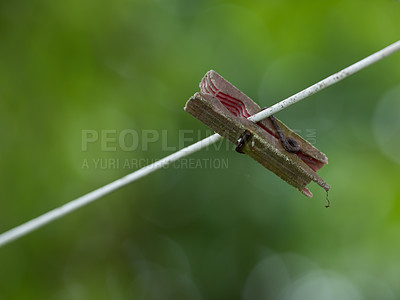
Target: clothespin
{"type": "Point", "coordinates": [225, 109]}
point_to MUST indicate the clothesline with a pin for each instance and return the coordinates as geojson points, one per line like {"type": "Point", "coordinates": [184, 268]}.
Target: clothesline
{"type": "Point", "coordinates": [75, 204]}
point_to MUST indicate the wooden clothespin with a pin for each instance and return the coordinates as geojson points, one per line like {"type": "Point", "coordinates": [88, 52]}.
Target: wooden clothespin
{"type": "Point", "coordinates": [225, 109]}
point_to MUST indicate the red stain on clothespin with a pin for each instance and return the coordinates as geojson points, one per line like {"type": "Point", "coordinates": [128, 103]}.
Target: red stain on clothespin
{"type": "Point", "coordinates": [225, 109]}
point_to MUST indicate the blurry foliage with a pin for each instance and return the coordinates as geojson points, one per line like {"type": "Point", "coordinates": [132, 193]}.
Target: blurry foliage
{"type": "Point", "coordinates": [197, 233]}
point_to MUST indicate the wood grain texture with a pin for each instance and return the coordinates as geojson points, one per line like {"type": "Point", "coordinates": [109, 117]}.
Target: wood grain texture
{"type": "Point", "coordinates": [225, 109]}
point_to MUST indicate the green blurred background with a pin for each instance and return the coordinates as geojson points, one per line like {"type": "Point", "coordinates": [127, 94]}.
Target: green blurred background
{"type": "Point", "coordinates": [197, 233]}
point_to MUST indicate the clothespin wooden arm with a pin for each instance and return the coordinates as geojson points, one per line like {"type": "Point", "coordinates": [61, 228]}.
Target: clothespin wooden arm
{"type": "Point", "coordinates": [225, 109]}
